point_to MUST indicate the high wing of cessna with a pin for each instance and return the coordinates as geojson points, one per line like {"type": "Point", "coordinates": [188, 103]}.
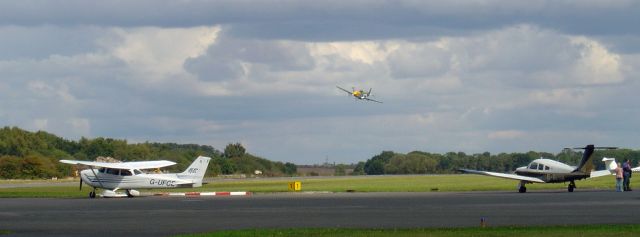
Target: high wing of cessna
{"type": "Point", "coordinates": [359, 94]}
{"type": "Point", "coordinates": [551, 171]}
{"type": "Point", "coordinates": [128, 176]}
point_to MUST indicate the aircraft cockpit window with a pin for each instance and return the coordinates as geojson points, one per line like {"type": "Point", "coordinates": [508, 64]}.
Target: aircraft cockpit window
{"type": "Point", "coordinates": [125, 173]}
{"type": "Point", "coordinates": [113, 171]}
{"type": "Point", "coordinates": [101, 170]}
{"type": "Point", "coordinates": [540, 166]}
{"type": "Point", "coordinates": [137, 172]}
{"type": "Point", "coordinates": [533, 166]}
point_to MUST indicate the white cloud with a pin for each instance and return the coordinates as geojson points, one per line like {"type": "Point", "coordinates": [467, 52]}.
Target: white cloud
{"type": "Point", "coordinates": [454, 76]}
{"type": "Point", "coordinates": [159, 51]}
{"type": "Point", "coordinates": [596, 65]}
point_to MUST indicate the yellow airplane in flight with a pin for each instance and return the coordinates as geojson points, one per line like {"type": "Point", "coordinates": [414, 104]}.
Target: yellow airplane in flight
{"type": "Point", "coordinates": [359, 94]}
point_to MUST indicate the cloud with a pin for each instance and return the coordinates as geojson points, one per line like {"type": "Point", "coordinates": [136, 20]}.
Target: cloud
{"type": "Point", "coordinates": [469, 76]}
{"type": "Point", "coordinates": [333, 20]}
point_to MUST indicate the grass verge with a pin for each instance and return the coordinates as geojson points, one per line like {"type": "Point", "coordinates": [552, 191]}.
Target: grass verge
{"type": "Point", "coordinates": [417, 183]}
{"type": "Point", "coordinates": [552, 231]}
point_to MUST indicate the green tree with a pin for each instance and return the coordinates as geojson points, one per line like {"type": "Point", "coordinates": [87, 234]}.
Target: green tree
{"type": "Point", "coordinates": [290, 168]}
{"type": "Point", "coordinates": [234, 150]}
{"type": "Point", "coordinates": [375, 165]}
{"type": "Point", "coordinates": [227, 167]}
{"type": "Point", "coordinates": [10, 167]}
{"type": "Point", "coordinates": [359, 169]}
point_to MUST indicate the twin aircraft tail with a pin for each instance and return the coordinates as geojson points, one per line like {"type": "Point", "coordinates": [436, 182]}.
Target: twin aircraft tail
{"type": "Point", "coordinates": [196, 170]}
{"type": "Point", "coordinates": [586, 166]}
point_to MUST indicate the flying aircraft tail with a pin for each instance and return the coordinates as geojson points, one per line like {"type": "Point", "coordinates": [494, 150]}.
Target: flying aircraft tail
{"type": "Point", "coordinates": [196, 170]}
{"type": "Point", "coordinates": [586, 165]}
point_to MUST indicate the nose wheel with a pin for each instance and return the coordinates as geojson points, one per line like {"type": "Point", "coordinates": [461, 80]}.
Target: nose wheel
{"type": "Point", "coordinates": [92, 194]}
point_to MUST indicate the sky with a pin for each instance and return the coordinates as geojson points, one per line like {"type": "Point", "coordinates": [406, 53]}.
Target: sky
{"type": "Point", "coordinates": [460, 75]}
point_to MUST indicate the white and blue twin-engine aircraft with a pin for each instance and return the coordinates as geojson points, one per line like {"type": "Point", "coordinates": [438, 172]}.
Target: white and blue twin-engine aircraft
{"type": "Point", "coordinates": [112, 177]}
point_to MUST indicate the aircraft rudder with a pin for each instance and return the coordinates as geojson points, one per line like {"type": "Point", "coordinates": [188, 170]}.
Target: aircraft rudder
{"type": "Point", "coordinates": [197, 170]}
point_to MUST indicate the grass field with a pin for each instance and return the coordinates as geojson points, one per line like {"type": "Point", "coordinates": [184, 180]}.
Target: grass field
{"type": "Point", "coordinates": [553, 231]}
{"type": "Point", "coordinates": [417, 183]}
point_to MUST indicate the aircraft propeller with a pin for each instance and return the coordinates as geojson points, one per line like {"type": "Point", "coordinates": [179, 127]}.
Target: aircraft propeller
{"type": "Point", "coordinates": [80, 184]}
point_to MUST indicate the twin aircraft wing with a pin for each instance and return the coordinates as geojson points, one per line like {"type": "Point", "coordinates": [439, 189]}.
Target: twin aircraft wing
{"type": "Point", "coordinates": [125, 165]}
{"type": "Point", "coordinates": [503, 175]}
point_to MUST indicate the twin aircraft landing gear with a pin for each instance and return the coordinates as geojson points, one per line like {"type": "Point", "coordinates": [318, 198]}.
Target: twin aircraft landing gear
{"type": "Point", "coordinates": [523, 189]}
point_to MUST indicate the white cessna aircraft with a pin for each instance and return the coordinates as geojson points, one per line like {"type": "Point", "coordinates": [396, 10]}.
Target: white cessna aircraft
{"type": "Point", "coordinates": [127, 175]}
{"type": "Point", "coordinates": [551, 171]}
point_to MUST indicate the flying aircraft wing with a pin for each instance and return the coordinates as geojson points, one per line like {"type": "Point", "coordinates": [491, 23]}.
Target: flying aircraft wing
{"type": "Point", "coordinates": [345, 90]}
{"type": "Point", "coordinates": [124, 165]}
{"type": "Point", "coordinates": [372, 100]}
{"type": "Point", "coordinates": [503, 175]}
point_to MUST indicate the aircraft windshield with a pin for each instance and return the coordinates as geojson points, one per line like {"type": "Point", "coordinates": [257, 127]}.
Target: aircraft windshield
{"type": "Point", "coordinates": [125, 173]}
{"type": "Point", "coordinates": [533, 166]}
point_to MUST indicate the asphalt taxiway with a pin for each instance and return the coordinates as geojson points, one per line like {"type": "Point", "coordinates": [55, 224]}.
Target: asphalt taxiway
{"type": "Point", "coordinates": [166, 216]}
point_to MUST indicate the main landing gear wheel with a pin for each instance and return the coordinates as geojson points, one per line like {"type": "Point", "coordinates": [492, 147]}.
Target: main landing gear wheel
{"type": "Point", "coordinates": [129, 193]}
{"type": "Point", "coordinates": [571, 187]}
{"type": "Point", "coordinates": [522, 189]}
{"type": "Point", "coordinates": [92, 194]}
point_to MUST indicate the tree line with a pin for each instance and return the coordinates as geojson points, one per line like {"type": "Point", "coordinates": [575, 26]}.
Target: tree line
{"type": "Point", "coordinates": [28, 155]}
{"type": "Point", "coordinates": [25, 154]}
{"type": "Point", "coordinates": [418, 162]}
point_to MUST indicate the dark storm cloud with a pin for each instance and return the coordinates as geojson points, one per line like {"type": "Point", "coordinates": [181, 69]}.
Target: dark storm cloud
{"type": "Point", "coordinates": [334, 20]}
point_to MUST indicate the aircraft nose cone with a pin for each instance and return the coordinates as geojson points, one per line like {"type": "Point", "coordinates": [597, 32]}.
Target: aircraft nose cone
{"type": "Point", "coordinates": [84, 176]}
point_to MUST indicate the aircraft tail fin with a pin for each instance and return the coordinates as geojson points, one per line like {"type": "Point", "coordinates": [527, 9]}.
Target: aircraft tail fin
{"type": "Point", "coordinates": [586, 166]}
{"type": "Point", "coordinates": [196, 170]}
{"type": "Point", "coordinates": [610, 164]}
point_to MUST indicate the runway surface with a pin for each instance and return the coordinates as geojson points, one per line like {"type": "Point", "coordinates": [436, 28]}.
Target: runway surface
{"type": "Point", "coordinates": [166, 216]}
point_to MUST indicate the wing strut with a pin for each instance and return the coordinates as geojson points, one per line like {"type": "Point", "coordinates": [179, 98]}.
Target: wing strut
{"type": "Point", "coordinates": [95, 175]}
